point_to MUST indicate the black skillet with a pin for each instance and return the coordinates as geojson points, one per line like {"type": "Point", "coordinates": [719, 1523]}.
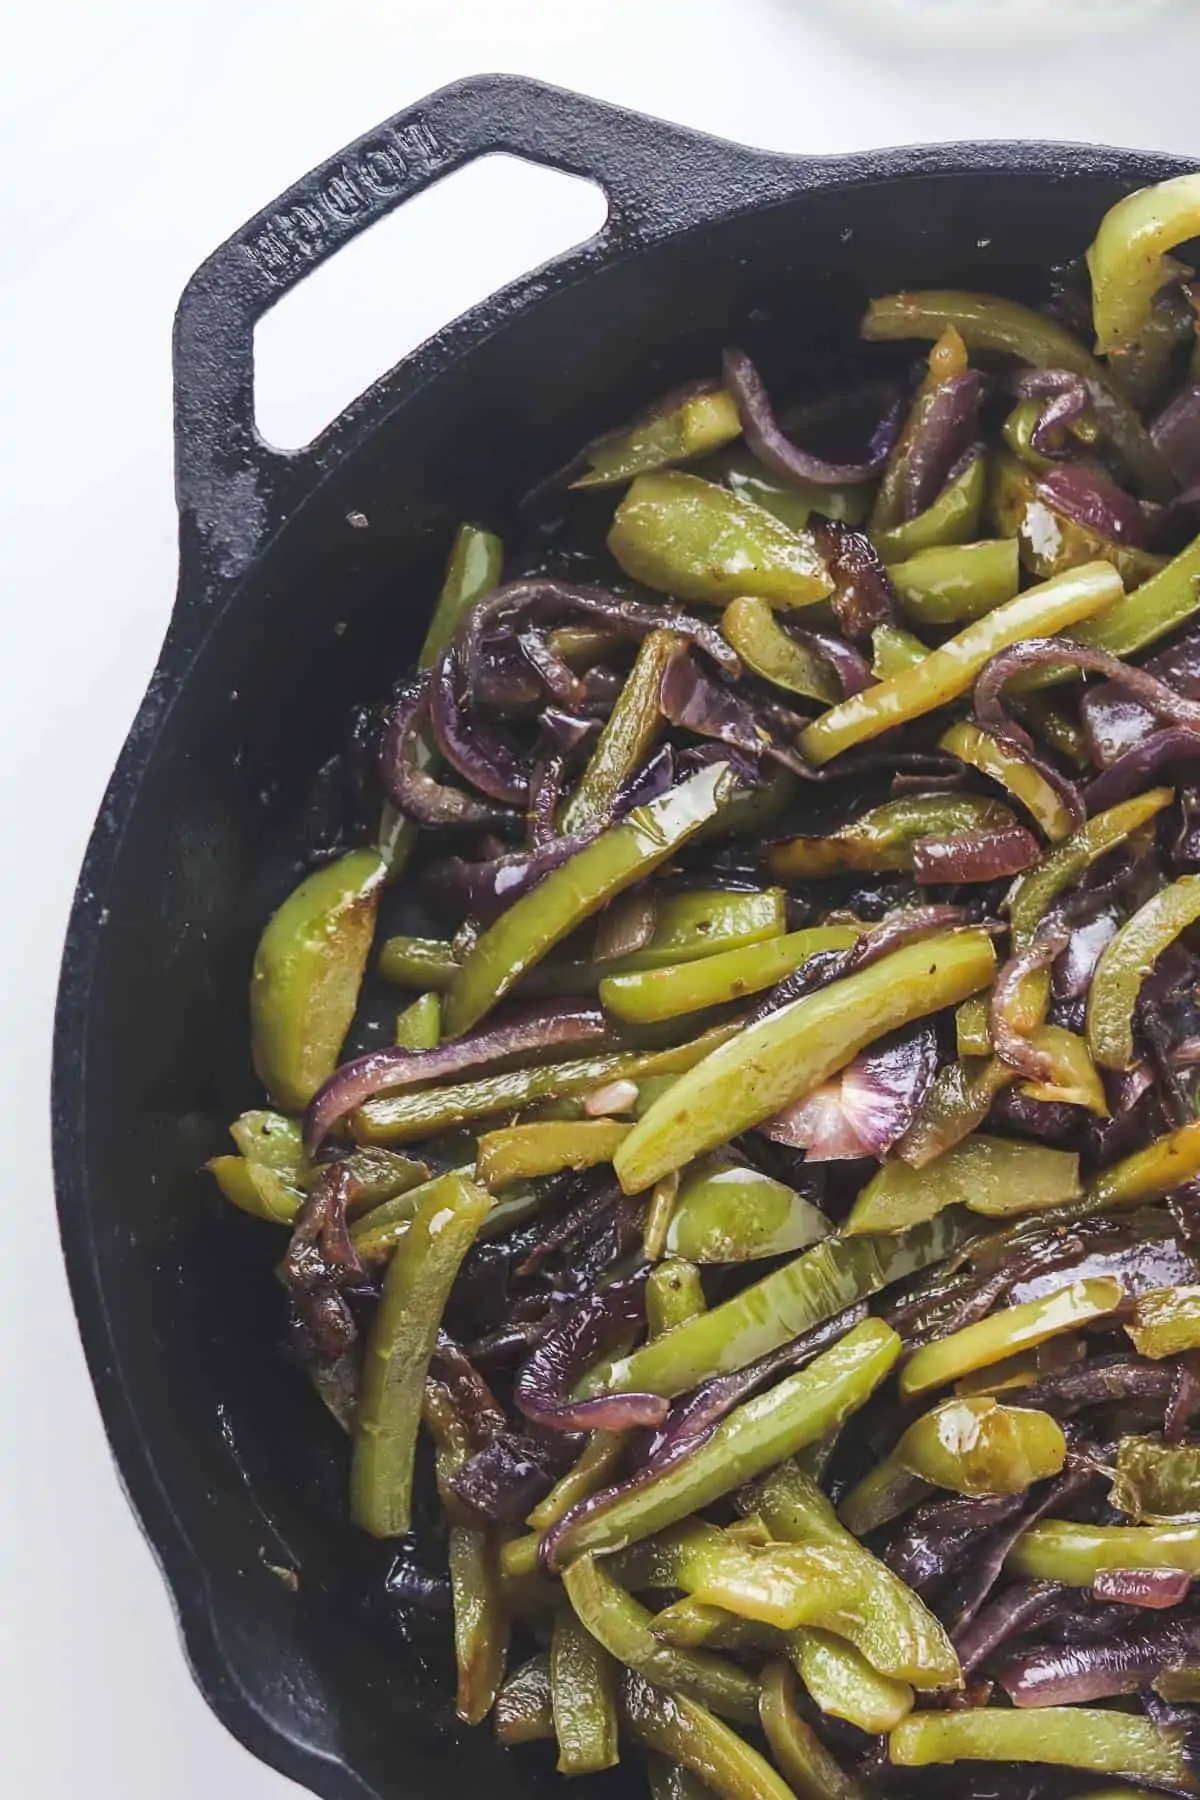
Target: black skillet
{"type": "Point", "coordinates": [286, 614]}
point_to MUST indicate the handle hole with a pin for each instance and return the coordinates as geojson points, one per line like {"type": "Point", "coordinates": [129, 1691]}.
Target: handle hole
{"type": "Point", "coordinates": [385, 292]}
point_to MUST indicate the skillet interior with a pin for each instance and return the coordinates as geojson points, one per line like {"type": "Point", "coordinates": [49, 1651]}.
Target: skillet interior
{"type": "Point", "coordinates": [231, 1464]}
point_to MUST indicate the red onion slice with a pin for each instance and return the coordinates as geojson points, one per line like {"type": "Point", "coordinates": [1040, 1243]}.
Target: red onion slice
{"type": "Point", "coordinates": [1071, 1674]}
{"type": "Point", "coordinates": [1176, 431]}
{"type": "Point", "coordinates": [411, 789]}
{"type": "Point", "coordinates": [384, 1071]}
{"type": "Point", "coordinates": [1155, 1589]}
{"type": "Point", "coordinates": [1009, 1045]}
{"type": "Point", "coordinates": [695, 703]}
{"type": "Point", "coordinates": [863, 596]}
{"type": "Point", "coordinates": [1132, 771]}
{"type": "Point", "coordinates": [570, 1347]}
{"type": "Point", "coordinates": [1092, 499]}
{"type": "Point", "coordinates": [975, 856]}
{"type": "Point", "coordinates": [851, 668]}
{"type": "Point", "coordinates": [776, 451]}
{"type": "Point", "coordinates": [1031, 653]}
{"type": "Point", "coordinates": [481, 890]}
{"type": "Point", "coordinates": [868, 1107]}
{"type": "Point", "coordinates": [946, 431]}
{"type": "Point", "coordinates": [468, 743]}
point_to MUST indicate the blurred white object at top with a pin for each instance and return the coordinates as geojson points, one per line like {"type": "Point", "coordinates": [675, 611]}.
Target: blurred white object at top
{"type": "Point", "coordinates": [982, 24]}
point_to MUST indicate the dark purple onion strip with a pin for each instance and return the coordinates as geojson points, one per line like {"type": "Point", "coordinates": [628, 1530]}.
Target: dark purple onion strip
{"type": "Point", "coordinates": [411, 789]}
{"type": "Point", "coordinates": [1132, 772]}
{"type": "Point", "coordinates": [979, 1577]}
{"type": "Point", "coordinates": [1176, 431]}
{"type": "Point", "coordinates": [568, 731]}
{"type": "Point", "coordinates": [868, 1107]}
{"type": "Point", "coordinates": [1154, 1589]}
{"type": "Point", "coordinates": [503, 1479]}
{"type": "Point", "coordinates": [1098, 1382]}
{"type": "Point", "coordinates": [863, 596]}
{"type": "Point", "coordinates": [1185, 1395]}
{"type": "Point", "coordinates": [1069, 397]}
{"type": "Point", "coordinates": [481, 890]}
{"type": "Point", "coordinates": [1070, 1674]}
{"type": "Point", "coordinates": [830, 965]}
{"type": "Point", "coordinates": [695, 703]}
{"type": "Point", "coordinates": [849, 665]}
{"type": "Point", "coordinates": [559, 680]}
{"type": "Point", "coordinates": [577, 1341]}
{"type": "Point", "coordinates": [469, 744]}
{"type": "Point", "coordinates": [1019, 1052]}
{"type": "Point", "coordinates": [545, 791]}
{"type": "Point", "coordinates": [1033, 653]}
{"type": "Point", "coordinates": [382, 1071]}
{"type": "Point", "coordinates": [970, 856]}
{"type": "Point", "coordinates": [946, 430]}
{"type": "Point", "coordinates": [413, 1586]}
{"type": "Point", "coordinates": [776, 451]}
{"type": "Point", "coordinates": [1020, 1608]}
{"type": "Point", "coordinates": [1093, 500]}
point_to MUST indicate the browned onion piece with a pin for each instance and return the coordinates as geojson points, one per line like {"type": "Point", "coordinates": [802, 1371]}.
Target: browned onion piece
{"type": "Point", "coordinates": [1068, 395]}
{"type": "Point", "coordinates": [1069, 1674]}
{"type": "Point", "coordinates": [1009, 1044]}
{"type": "Point", "coordinates": [1022, 1606]}
{"type": "Point", "coordinates": [1114, 720]}
{"type": "Point", "coordinates": [776, 451]}
{"type": "Point", "coordinates": [1155, 1589]}
{"type": "Point", "coordinates": [947, 429]}
{"type": "Point", "coordinates": [1132, 771]}
{"type": "Point", "coordinates": [1094, 500]}
{"type": "Point", "coordinates": [975, 855]}
{"type": "Point", "coordinates": [411, 789]}
{"type": "Point", "coordinates": [1176, 431]}
{"type": "Point", "coordinates": [1185, 1388]}
{"type": "Point", "coordinates": [468, 743]}
{"type": "Point", "coordinates": [863, 596]}
{"type": "Point", "coordinates": [545, 790]}
{"type": "Point", "coordinates": [481, 890]}
{"type": "Point", "coordinates": [473, 1399]}
{"type": "Point", "coordinates": [592, 1326]}
{"type": "Point", "coordinates": [1032, 653]}
{"type": "Point", "coordinates": [381, 1071]}
{"type": "Point", "coordinates": [696, 703]}
{"type": "Point", "coordinates": [559, 681]}
{"type": "Point", "coordinates": [321, 1261]}
{"type": "Point", "coordinates": [1099, 1382]}
{"type": "Point", "coordinates": [849, 665]}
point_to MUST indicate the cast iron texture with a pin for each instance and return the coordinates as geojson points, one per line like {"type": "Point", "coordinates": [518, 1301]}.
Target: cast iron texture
{"type": "Point", "coordinates": [286, 613]}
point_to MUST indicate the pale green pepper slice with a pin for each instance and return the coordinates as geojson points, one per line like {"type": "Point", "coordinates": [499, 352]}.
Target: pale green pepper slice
{"type": "Point", "coordinates": [1061, 1550]}
{"type": "Point", "coordinates": [308, 969]}
{"type": "Point", "coordinates": [843, 1684]}
{"type": "Point", "coordinates": [1156, 1482]}
{"type": "Point", "coordinates": [810, 1769]}
{"type": "Point", "coordinates": [793, 1050]}
{"type": "Point", "coordinates": [725, 1212]}
{"type": "Point", "coordinates": [257, 1189]}
{"type": "Point", "coordinates": [950, 670]}
{"type": "Point", "coordinates": [696, 541]}
{"type": "Point", "coordinates": [1080, 1737]}
{"type": "Point", "coordinates": [674, 1294]}
{"type": "Point", "coordinates": [992, 757]}
{"type": "Point", "coordinates": [886, 836]}
{"type": "Point", "coordinates": [1126, 259]}
{"type": "Point", "coordinates": [645, 997]}
{"type": "Point", "coordinates": [950, 583]}
{"type": "Point", "coordinates": [998, 1177]}
{"type": "Point", "coordinates": [1148, 1174]}
{"type": "Point", "coordinates": [1125, 963]}
{"type": "Point", "coordinates": [525, 1152]}
{"type": "Point", "coordinates": [675, 429]}
{"type": "Point", "coordinates": [272, 1140]}
{"type": "Point", "coordinates": [583, 1698]}
{"type": "Point", "coordinates": [750, 626]}
{"type": "Point", "coordinates": [542, 918]}
{"type": "Point", "coordinates": [629, 734]}
{"type": "Point", "coordinates": [894, 650]}
{"type": "Point", "coordinates": [975, 1445]}
{"type": "Point", "coordinates": [419, 1026]}
{"type": "Point", "coordinates": [1165, 1321]}
{"type": "Point", "coordinates": [523, 1714]}
{"type": "Point", "coordinates": [1006, 1333]}
{"type": "Point", "coordinates": [953, 518]}
{"type": "Point", "coordinates": [415, 1288]}
{"type": "Point", "coordinates": [690, 1735]}
{"type": "Point", "coordinates": [792, 502]}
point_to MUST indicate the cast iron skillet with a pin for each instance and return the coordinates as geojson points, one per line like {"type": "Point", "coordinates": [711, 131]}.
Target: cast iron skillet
{"type": "Point", "coordinates": [285, 615]}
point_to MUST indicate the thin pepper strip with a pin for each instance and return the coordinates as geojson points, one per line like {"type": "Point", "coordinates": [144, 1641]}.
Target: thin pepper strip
{"type": "Point", "coordinates": [694, 422]}
{"type": "Point", "coordinates": [814, 1286]}
{"type": "Point", "coordinates": [749, 625]}
{"type": "Point", "coordinates": [415, 1289]}
{"type": "Point", "coordinates": [760, 1432]}
{"type": "Point", "coordinates": [575, 891]}
{"type": "Point", "coordinates": [623, 1625]}
{"type": "Point", "coordinates": [690, 1735]}
{"type": "Point", "coordinates": [993, 758]}
{"type": "Point", "coordinates": [794, 1049]}
{"type": "Point", "coordinates": [1165, 1321]}
{"type": "Point", "coordinates": [630, 732]}
{"type": "Point", "coordinates": [1006, 1333]}
{"type": "Point", "coordinates": [886, 836]}
{"type": "Point", "coordinates": [524, 1152]}
{"type": "Point", "coordinates": [949, 583]}
{"type": "Point", "coordinates": [1126, 961]}
{"type": "Point", "coordinates": [1062, 1550]}
{"type": "Point", "coordinates": [1148, 1174]}
{"type": "Point", "coordinates": [808, 1766]}
{"type": "Point", "coordinates": [993, 1176]}
{"type": "Point", "coordinates": [583, 1698]}
{"type": "Point", "coordinates": [522, 1713]}
{"type": "Point", "coordinates": [1126, 259]}
{"type": "Point", "coordinates": [953, 518]}
{"type": "Point", "coordinates": [1081, 1737]}
{"type": "Point", "coordinates": [481, 1626]}
{"type": "Point", "coordinates": [646, 996]}
{"type": "Point", "coordinates": [950, 670]}
{"type": "Point", "coordinates": [419, 1026]}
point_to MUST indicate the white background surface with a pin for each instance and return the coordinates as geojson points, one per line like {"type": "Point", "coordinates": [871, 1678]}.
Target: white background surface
{"type": "Point", "coordinates": [133, 136]}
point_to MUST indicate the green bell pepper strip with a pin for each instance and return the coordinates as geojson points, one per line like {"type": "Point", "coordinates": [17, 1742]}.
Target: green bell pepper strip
{"type": "Point", "coordinates": [474, 567]}
{"type": "Point", "coordinates": [953, 518]}
{"type": "Point", "coordinates": [838, 1587]}
{"type": "Point", "coordinates": [1079, 1737]}
{"type": "Point", "coordinates": [839, 1678]}
{"type": "Point", "coordinates": [950, 583]}
{"type": "Point", "coordinates": [629, 734]}
{"type": "Point", "coordinates": [689, 1734]}
{"type": "Point", "coordinates": [1005, 1333]}
{"type": "Point", "coordinates": [993, 1176]}
{"type": "Point", "coordinates": [1149, 1174]}
{"type": "Point", "coordinates": [1155, 608]}
{"type": "Point", "coordinates": [893, 650]}
{"type": "Point", "coordinates": [947, 361]}
{"type": "Point", "coordinates": [1017, 432]}
{"type": "Point", "coordinates": [416, 962]}
{"type": "Point", "coordinates": [994, 759]}
{"type": "Point", "coordinates": [256, 1189]}
{"type": "Point", "coordinates": [647, 996]}
{"type": "Point", "coordinates": [525, 1152]}
{"type": "Point", "coordinates": [1061, 1550]}
{"type": "Point", "coordinates": [657, 1219]}
{"type": "Point", "coordinates": [481, 1626]}
{"type": "Point", "coordinates": [419, 1026]}
{"type": "Point", "coordinates": [672, 431]}
{"type": "Point", "coordinates": [751, 628]}
{"type": "Point", "coordinates": [959, 1101]}
{"type": "Point", "coordinates": [1060, 730]}
{"type": "Point", "coordinates": [690, 927]}
{"type": "Point", "coordinates": [308, 968]}
{"type": "Point", "coordinates": [760, 1432]}
{"type": "Point", "coordinates": [382, 1175]}
{"type": "Point", "coordinates": [667, 1780]}
{"type": "Point", "coordinates": [1126, 259]}
{"type": "Point", "coordinates": [886, 836]}
{"type": "Point", "coordinates": [415, 1289]}
{"type": "Point", "coordinates": [622, 1624]}
{"type": "Point", "coordinates": [792, 502]}
{"type": "Point", "coordinates": [1049, 540]}
{"type": "Point", "coordinates": [885, 1491]}
{"type": "Point", "coordinates": [522, 1713]}
{"type": "Point", "coordinates": [401, 1118]}
{"type": "Point", "coordinates": [597, 1464]}
{"type": "Point", "coordinates": [725, 1212]}
{"type": "Point", "coordinates": [1125, 963]}
{"type": "Point", "coordinates": [1165, 1322]}
{"type": "Point", "coordinates": [793, 1050]}
{"type": "Point", "coordinates": [583, 1698]}
{"type": "Point", "coordinates": [808, 1767]}
{"type": "Point", "coordinates": [950, 670]}
{"type": "Point", "coordinates": [576, 890]}
{"type": "Point", "coordinates": [696, 541]}
{"type": "Point", "coordinates": [842, 1682]}
{"type": "Point", "coordinates": [813, 1287]}
{"type": "Point", "coordinates": [273, 1141]}
{"type": "Point", "coordinates": [689, 1624]}
{"type": "Point", "coordinates": [975, 1445]}
{"type": "Point", "coordinates": [674, 1294]}
{"type": "Point", "coordinates": [1156, 1482]}
{"type": "Point", "coordinates": [1007, 328]}
{"type": "Point", "coordinates": [376, 1233]}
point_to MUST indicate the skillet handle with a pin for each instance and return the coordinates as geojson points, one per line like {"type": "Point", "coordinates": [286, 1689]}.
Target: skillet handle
{"type": "Point", "coordinates": [233, 489]}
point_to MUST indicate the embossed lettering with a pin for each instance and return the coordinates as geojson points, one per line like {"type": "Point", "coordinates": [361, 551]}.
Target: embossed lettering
{"type": "Point", "coordinates": [341, 196]}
